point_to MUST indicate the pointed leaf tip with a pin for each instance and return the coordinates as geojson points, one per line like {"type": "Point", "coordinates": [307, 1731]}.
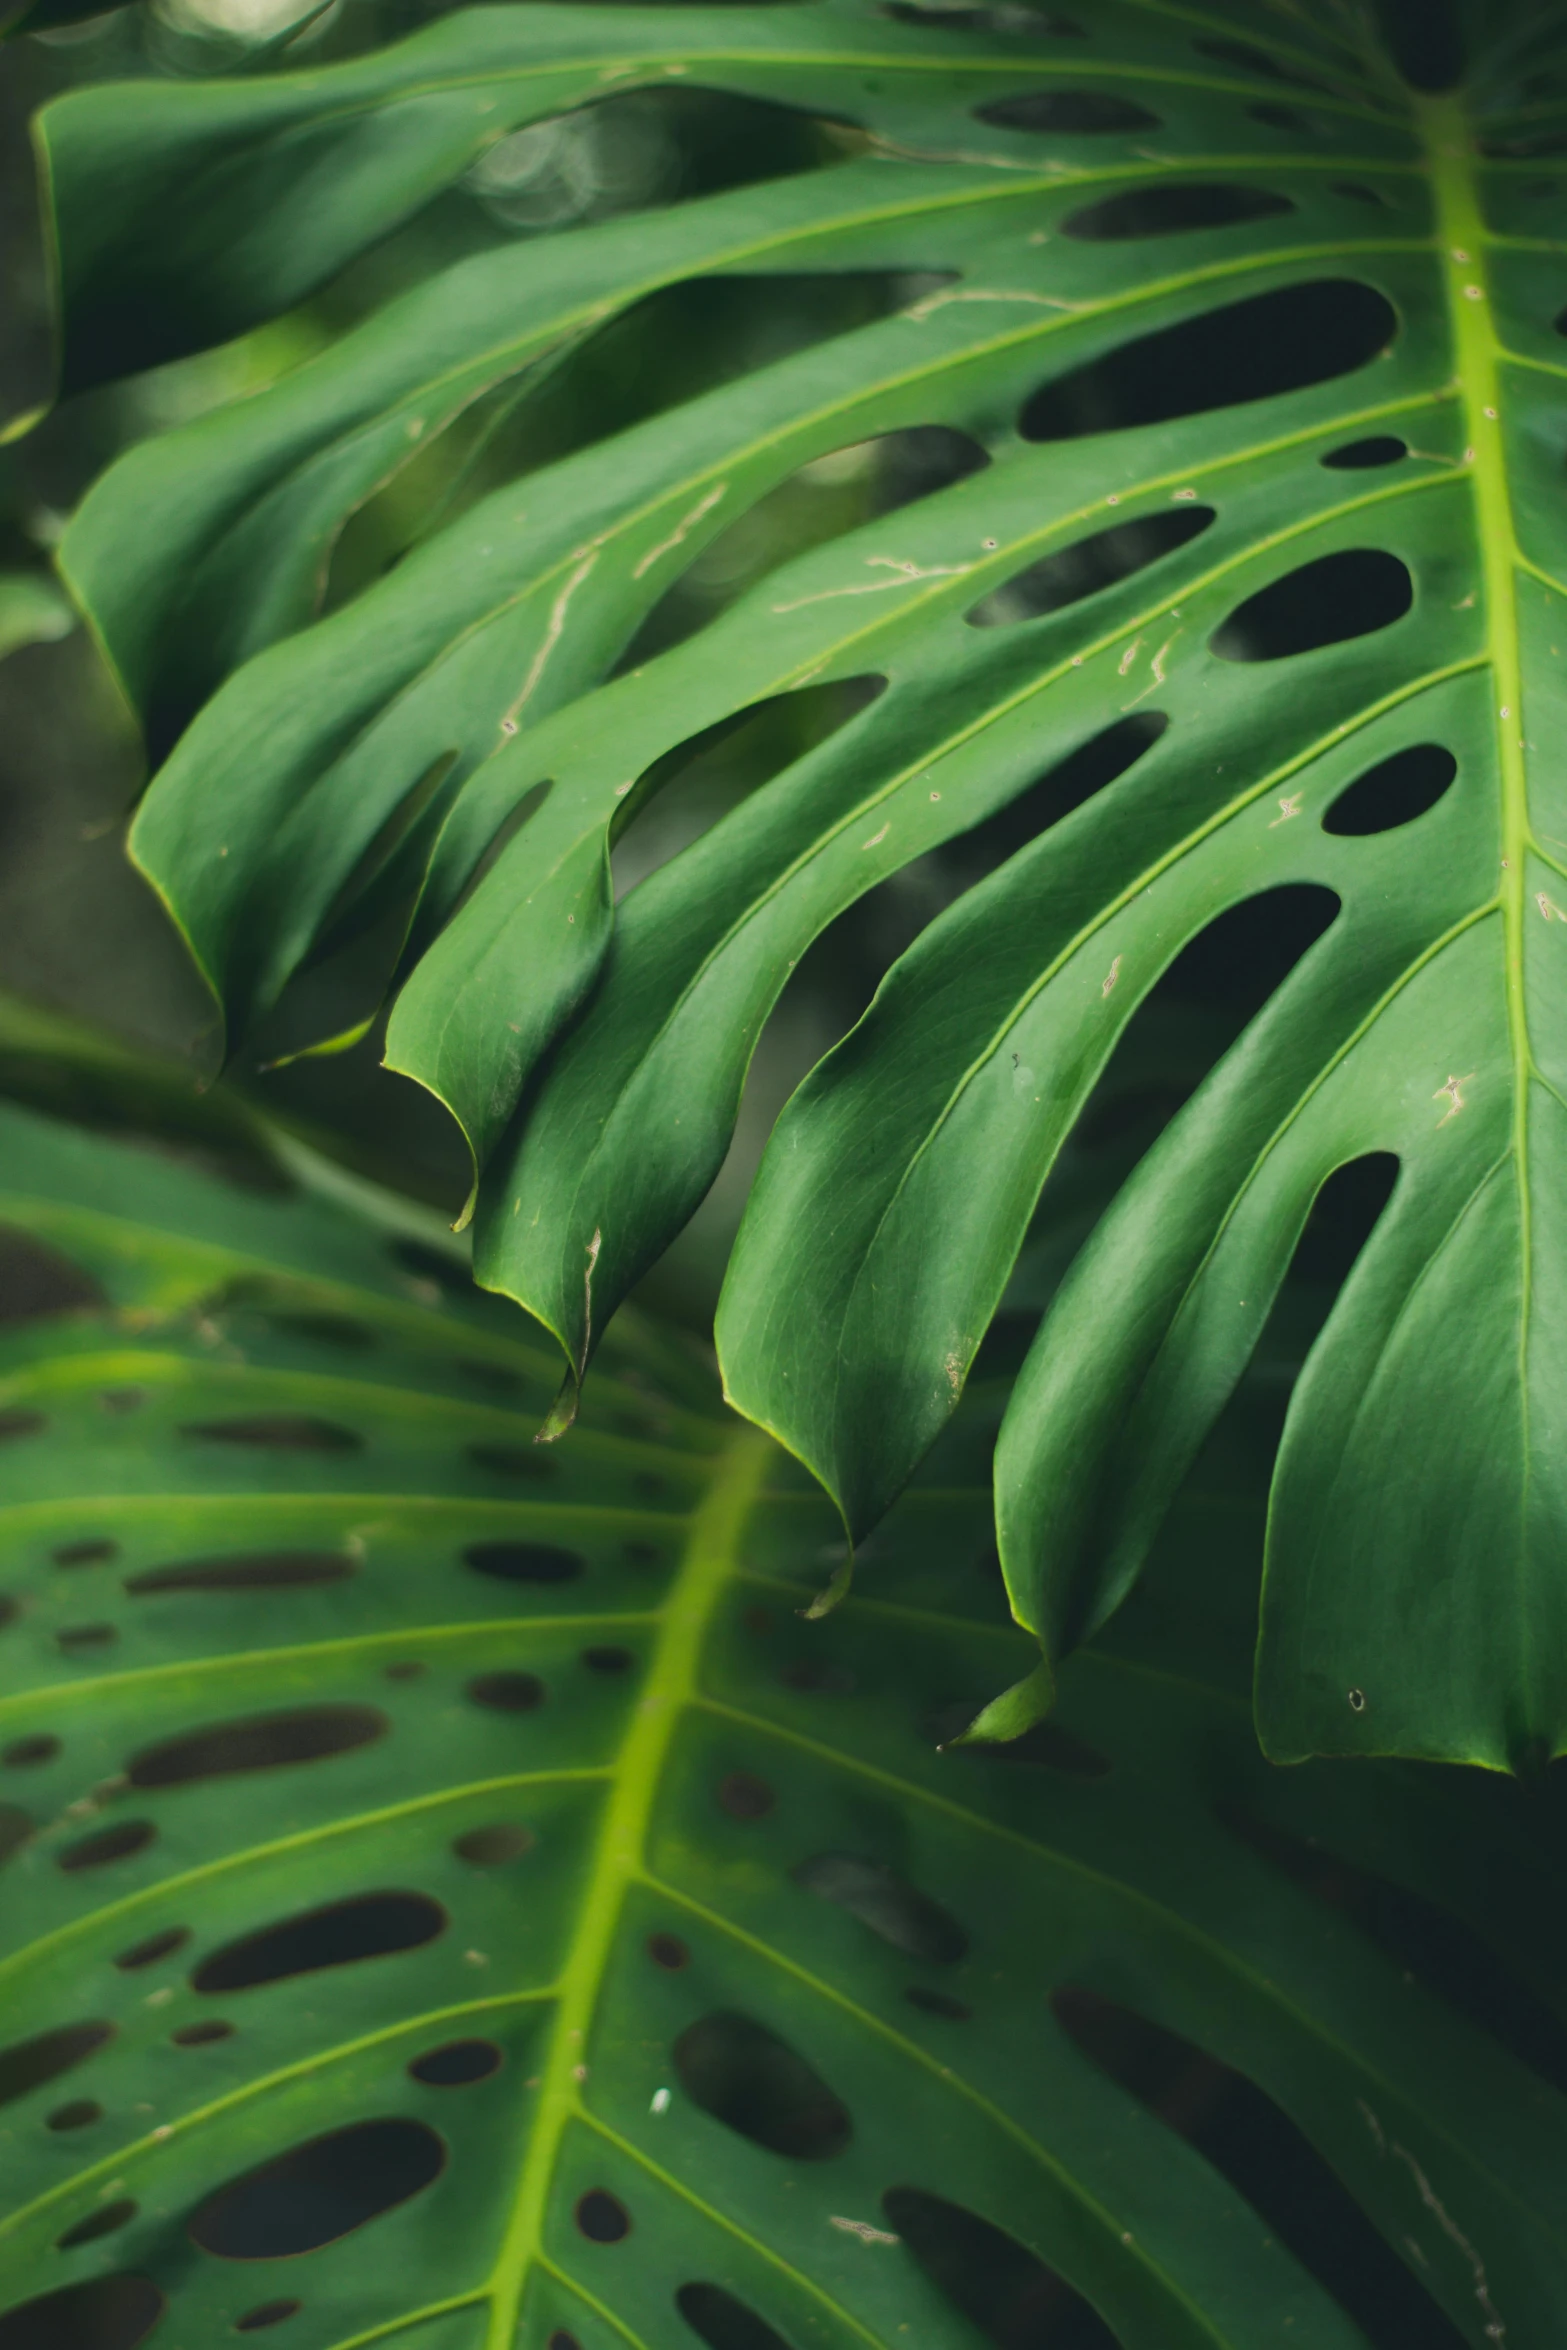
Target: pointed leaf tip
{"type": "Point", "coordinates": [1017, 1709]}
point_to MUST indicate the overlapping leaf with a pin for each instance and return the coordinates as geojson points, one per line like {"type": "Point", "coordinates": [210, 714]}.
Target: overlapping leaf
{"type": "Point", "coordinates": [451, 1897]}
{"type": "Point", "coordinates": [1262, 349]}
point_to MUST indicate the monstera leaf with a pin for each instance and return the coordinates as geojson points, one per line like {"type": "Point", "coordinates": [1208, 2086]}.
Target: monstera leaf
{"type": "Point", "coordinates": [451, 1896]}
{"type": "Point", "coordinates": [1257, 351]}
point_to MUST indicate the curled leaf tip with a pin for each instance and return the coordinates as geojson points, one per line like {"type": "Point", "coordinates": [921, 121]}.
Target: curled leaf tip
{"type": "Point", "coordinates": [1017, 1709]}
{"type": "Point", "coordinates": [834, 1593]}
{"type": "Point", "coordinates": [562, 1411]}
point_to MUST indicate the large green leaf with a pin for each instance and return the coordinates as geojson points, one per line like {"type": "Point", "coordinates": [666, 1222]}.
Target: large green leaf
{"type": "Point", "coordinates": [1167, 277]}
{"type": "Point", "coordinates": [294, 1798]}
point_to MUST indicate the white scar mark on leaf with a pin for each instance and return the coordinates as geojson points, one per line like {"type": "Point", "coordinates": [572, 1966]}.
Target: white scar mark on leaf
{"type": "Point", "coordinates": [876, 838]}
{"type": "Point", "coordinates": [1549, 909]}
{"type": "Point", "coordinates": [949, 294]}
{"type": "Point", "coordinates": [1288, 806]}
{"type": "Point", "coordinates": [953, 1367]}
{"type": "Point", "coordinates": [907, 574]}
{"type": "Point", "coordinates": [1128, 657]}
{"type": "Point", "coordinates": [1453, 1091]}
{"type": "Point", "coordinates": [1112, 976]}
{"type": "Point", "coordinates": [1373, 2125]}
{"type": "Point", "coordinates": [1495, 2331]}
{"type": "Point", "coordinates": [1156, 671]}
{"type": "Point", "coordinates": [878, 145]}
{"type": "Point", "coordinates": [551, 637]}
{"type": "Point", "coordinates": [594, 1245]}
{"type": "Point", "coordinates": [863, 2229]}
{"type": "Point", "coordinates": [687, 522]}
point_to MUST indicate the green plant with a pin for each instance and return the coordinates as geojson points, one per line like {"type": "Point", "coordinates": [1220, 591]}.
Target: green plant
{"type": "Point", "coordinates": [367, 1770]}
{"type": "Point", "coordinates": [1292, 322]}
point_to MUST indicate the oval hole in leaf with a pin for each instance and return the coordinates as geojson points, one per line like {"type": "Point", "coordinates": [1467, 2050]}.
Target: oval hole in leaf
{"type": "Point", "coordinates": [266, 2313]}
{"type": "Point", "coordinates": [339, 1330]}
{"type": "Point", "coordinates": [319, 2192]}
{"type": "Point", "coordinates": [1280, 118]}
{"type": "Point", "coordinates": [25, 1754]}
{"type": "Point", "coordinates": [201, 2035]}
{"type": "Point", "coordinates": [1328, 602]}
{"type": "Point", "coordinates": [75, 2114]}
{"type": "Point", "coordinates": [744, 1796]}
{"type": "Point", "coordinates": [17, 1424]}
{"type": "Point", "coordinates": [724, 2323]}
{"type": "Point", "coordinates": [28, 2064]}
{"type": "Point", "coordinates": [107, 2220]}
{"type": "Point", "coordinates": [156, 1946]}
{"type": "Point", "coordinates": [370, 1925]}
{"type": "Point", "coordinates": [458, 2064]}
{"type": "Point", "coordinates": [1394, 792]}
{"type": "Point", "coordinates": [488, 1847]}
{"type": "Point", "coordinates": [1089, 565]}
{"type": "Point", "coordinates": [121, 1842]}
{"type": "Point", "coordinates": [1249, 350]}
{"type": "Point", "coordinates": [525, 1562]}
{"type": "Point", "coordinates": [523, 1461]}
{"type": "Point", "coordinates": [261, 1570]}
{"type": "Point", "coordinates": [696, 783]}
{"type": "Point", "coordinates": [1074, 113]}
{"type": "Point", "coordinates": [276, 1431]}
{"type": "Point", "coordinates": [263, 1742]}
{"type": "Point", "coordinates": [74, 1639]}
{"type": "Point", "coordinates": [755, 2084]}
{"type": "Point", "coordinates": [84, 1554]}
{"type": "Point", "coordinates": [1358, 193]}
{"type": "Point", "coordinates": [1382, 448]}
{"type": "Point", "coordinates": [1266, 2158]}
{"type": "Point", "coordinates": [669, 1952]}
{"type": "Point", "coordinates": [994, 2281]}
{"type": "Point", "coordinates": [1173, 208]}
{"type": "Point", "coordinates": [886, 1903]}
{"type": "Point", "coordinates": [937, 2003]}
{"type": "Point", "coordinates": [508, 1693]}
{"type": "Point", "coordinates": [36, 1280]}
{"type": "Point", "coordinates": [602, 2217]}
{"type": "Point", "coordinates": [102, 2313]}
{"type": "Point", "coordinates": [608, 1660]}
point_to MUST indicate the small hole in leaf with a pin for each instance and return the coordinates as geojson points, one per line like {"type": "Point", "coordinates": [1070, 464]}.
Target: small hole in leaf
{"type": "Point", "coordinates": [1329, 602]}
{"type": "Point", "coordinates": [201, 2035]}
{"type": "Point", "coordinates": [156, 1946]}
{"type": "Point", "coordinates": [1278, 118]}
{"type": "Point", "coordinates": [1001, 2287]}
{"type": "Point", "coordinates": [21, 1424]}
{"type": "Point", "coordinates": [36, 1280]}
{"type": "Point", "coordinates": [1381, 448]}
{"type": "Point", "coordinates": [121, 1842]}
{"type": "Point", "coordinates": [937, 2003]}
{"type": "Point", "coordinates": [1173, 208]}
{"type": "Point", "coordinates": [525, 1562]}
{"type": "Point", "coordinates": [75, 2114]}
{"type": "Point", "coordinates": [724, 2323]}
{"type": "Point", "coordinates": [488, 1847]}
{"type": "Point", "coordinates": [457, 2064]}
{"type": "Point", "coordinates": [641, 1554]}
{"type": "Point", "coordinates": [84, 1554]}
{"type": "Point", "coordinates": [77, 1639]}
{"type": "Point", "coordinates": [25, 1754]}
{"type": "Point", "coordinates": [8, 1610]}
{"type": "Point", "coordinates": [602, 2217]}
{"type": "Point", "coordinates": [407, 1668]}
{"type": "Point", "coordinates": [105, 2221]}
{"type": "Point", "coordinates": [608, 1660]}
{"type": "Point", "coordinates": [372, 1925]}
{"type": "Point", "coordinates": [266, 2313]}
{"type": "Point", "coordinates": [1394, 792]}
{"type": "Point", "coordinates": [668, 1951]}
{"type": "Point", "coordinates": [339, 1330]}
{"type": "Point", "coordinates": [561, 2340]}
{"type": "Point", "coordinates": [526, 1461]}
{"type": "Point", "coordinates": [16, 1826]}
{"type": "Point", "coordinates": [1089, 566]}
{"type": "Point", "coordinates": [759, 2087]}
{"type": "Point", "coordinates": [261, 1570]}
{"type": "Point", "coordinates": [508, 1693]}
{"type": "Point", "coordinates": [1358, 193]}
{"type": "Point", "coordinates": [745, 1797]}
{"type": "Point", "coordinates": [28, 2064]}
{"type": "Point", "coordinates": [319, 2192]}
{"type": "Point", "coordinates": [885, 1902]}
{"type": "Point", "coordinates": [263, 1742]}
{"type": "Point", "coordinates": [1248, 350]}
{"type": "Point", "coordinates": [276, 1431]}
{"type": "Point", "coordinates": [1073, 113]}
{"type": "Point", "coordinates": [101, 2313]}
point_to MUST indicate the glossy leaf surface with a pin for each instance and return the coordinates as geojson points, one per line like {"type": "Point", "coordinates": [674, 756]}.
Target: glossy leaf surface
{"type": "Point", "coordinates": [451, 1896]}
{"type": "Point", "coordinates": [1263, 351]}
